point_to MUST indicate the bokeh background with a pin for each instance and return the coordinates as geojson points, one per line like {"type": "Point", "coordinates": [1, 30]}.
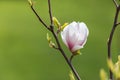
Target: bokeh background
{"type": "Point", "coordinates": [24, 50]}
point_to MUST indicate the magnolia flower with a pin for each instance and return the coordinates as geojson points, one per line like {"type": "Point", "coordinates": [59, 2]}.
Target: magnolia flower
{"type": "Point", "coordinates": [75, 35]}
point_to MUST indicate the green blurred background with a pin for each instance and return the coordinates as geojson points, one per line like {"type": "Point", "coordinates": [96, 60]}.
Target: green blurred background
{"type": "Point", "coordinates": [24, 50]}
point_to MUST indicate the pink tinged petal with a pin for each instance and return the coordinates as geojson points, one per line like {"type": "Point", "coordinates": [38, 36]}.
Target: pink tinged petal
{"type": "Point", "coordinates": [75, 35]}
{"type": "Point", "coordinates": [67, 35]}
{"type": "Point", "coordinates": [71, 39]}
{"type": "Point", "coordinates": [64, 35]}
{"type": "Point", "coordinates": [76, 47]}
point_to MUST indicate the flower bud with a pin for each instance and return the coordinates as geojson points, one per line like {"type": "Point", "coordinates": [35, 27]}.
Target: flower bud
{"type": "Point", "coordinates": [30, 2]}
{"type": "Point", "coordinates": [115, 68]}
{"type": "Point", "coordinates": [51, 44]}
{"type": "Point", "coordinates": [63, 26]}
{"type": "Point", "coordinates": [110, 65]}
{"type": "Point", "coordinates": [75, 36]}
{"type": "Point", "coordinates": [71, 76]}
{"type": "Point", "coordinates": [103, 75]}
{"type": "Point", "coordinates": [56, 22]}
{"type": "Point", "coordinates": [48, 38]}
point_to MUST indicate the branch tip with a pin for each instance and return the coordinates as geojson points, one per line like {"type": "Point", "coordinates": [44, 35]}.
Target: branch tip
{"type": "Point", "coordinates": [51, 29]}
{"type": "Point", "coordinates": [50, 12]}
{"type": "Point", "coordinates": [115, 2]}
{"type": "Point", "coordinates": [118, 24]}
{"type": "Point", "coordinates": [115, 24]}
{"type": "Point", "coordinates": [30, 2]}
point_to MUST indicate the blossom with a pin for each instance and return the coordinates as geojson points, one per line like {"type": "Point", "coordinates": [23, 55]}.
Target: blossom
{"type": "Point", "coordinates": [75, 35]}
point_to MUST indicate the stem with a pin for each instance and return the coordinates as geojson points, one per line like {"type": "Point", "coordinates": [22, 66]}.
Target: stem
{"type": "Point", "coordinates": [71, 57]}
{"type": "Point", "coordinates": [39, 18]}
{"type": "Point", "coordinates": [59, 46]}
{"type": "Point", "coordinates": [118, 24]}
{"type": "Point", "coordinates": [115, 2]}
{"type": "Point", "coordinates": [51, 29]}
{"type": "Point", "coordinates": [111, 36]}
{"type": "Point", "coordinates": [65, 57]}
{"type": "Point", "coordinates": [50, 12]}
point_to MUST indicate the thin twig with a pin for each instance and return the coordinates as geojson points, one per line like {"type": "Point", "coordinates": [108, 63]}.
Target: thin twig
{"type": "Point", "coordinates": [118, 24]}
{"type": "Point", "coordinates": [59, 46]}
{"type": "Point", "coordinates": [50, 12]}
{"type": "Point", "coordinates": [71, 57]}
{"type": "Point", "coordinates": [115, 2]}
{"type": "Point", "coordinates": [56, 38]}
{"type": "Point", "coordinates": [39, 17]}
{"type": "Point", "coordinates": [112, 34]}
{"type": "Point", "coordinates": [65, 57]}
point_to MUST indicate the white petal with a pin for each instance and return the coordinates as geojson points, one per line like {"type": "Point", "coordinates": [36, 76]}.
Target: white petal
{"type": "Point", "coordinates": [83, 33]}
{"type": "Point", "coordinates": [82, 24]}
{"type": "Point", "coordinates": [72, 38]}
{"type": "Point", "coordinates": [64, 35]}
{"type": "Point", "coordinates": [76, 47]}
{"type": "Point", "coordinates": [68, 32]}
{"type": "Point", "coordinates": [75, 35]}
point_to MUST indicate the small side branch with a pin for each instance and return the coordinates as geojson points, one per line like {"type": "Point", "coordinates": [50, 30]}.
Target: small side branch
{"type": "Point", "coordinates": [115, 24]}
{"type": "Point", "coordinates": [118, 24]}
{"type": "Point", "coordinates": [50, 12]}
{"type": "Point", "coordinates": [71, 57]}
{"type": "Point", "coordinates": [65, 57]}
{"type": "Point", "coordinates": [115, 2]}
{"type": "Point", "coordinates": [39, 18]}
{"type": "Point", "coordinates": [51, 29]}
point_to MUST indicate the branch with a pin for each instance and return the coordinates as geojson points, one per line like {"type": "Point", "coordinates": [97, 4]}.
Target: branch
{"type": "Point", "coordinates": [39, 18]}
{"type": "Point", "coordinates": [118, 24]}
{"type": "Point", "coordinates": [112, 34]}
{"type": "Point", "coordinates": [65, 57]}
{"type": "Point", "coordinates": [115, 2]}
{"type": "Point", "coordinates": [59, 46]}
{"type": "Point", "coordinates": [51, 29]}
{"type": "Point", "coordinates": [50, 12]}
{"type": "Point", "coordinates": [71, 57]}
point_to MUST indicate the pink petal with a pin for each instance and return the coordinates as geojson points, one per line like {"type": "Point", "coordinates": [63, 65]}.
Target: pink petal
{"type": "Point", "coordinates": [75, 35]}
